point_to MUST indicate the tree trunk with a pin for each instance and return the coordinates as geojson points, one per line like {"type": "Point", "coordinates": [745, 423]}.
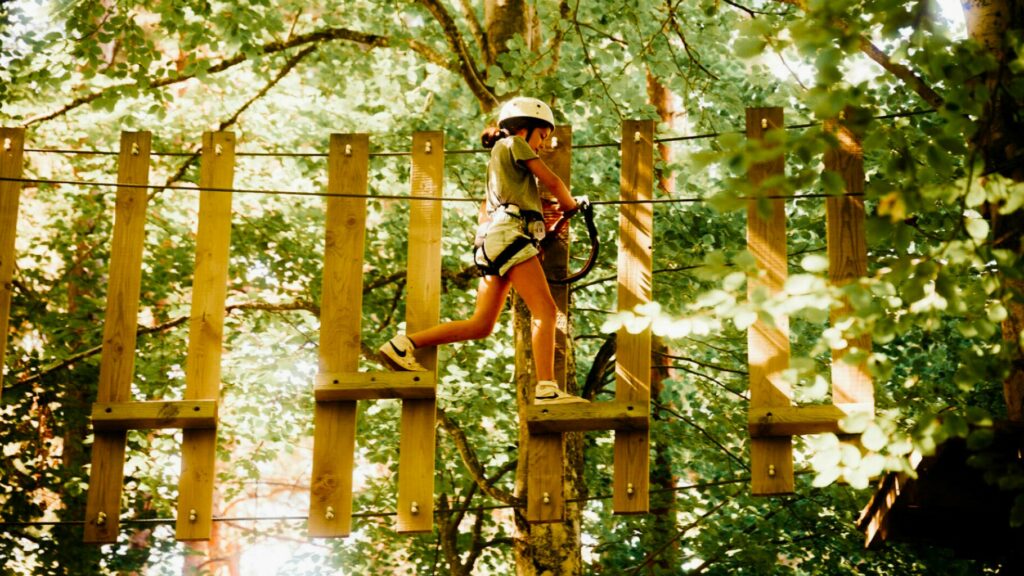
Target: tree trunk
{"type": "Point", "coordinates": [503, 19]}
{"type": "Point", "coordinates": [1000, 142]}
{"type": "Point", "coordinates": [663, 100]}
{"type": "Point", "coordinates": [663, 479]}
{"type": "Point", "coordinates": [544, 549]}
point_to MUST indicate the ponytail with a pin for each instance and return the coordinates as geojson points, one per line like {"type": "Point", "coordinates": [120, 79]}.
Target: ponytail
{"type": "Point", "coordinates": [491, 135]}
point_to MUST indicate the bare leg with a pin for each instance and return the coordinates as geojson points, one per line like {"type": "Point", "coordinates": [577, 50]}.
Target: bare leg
{"type": "Point", "coordinates": [490, 298]}
{"type": "Point", "coordinates": [532, 286]}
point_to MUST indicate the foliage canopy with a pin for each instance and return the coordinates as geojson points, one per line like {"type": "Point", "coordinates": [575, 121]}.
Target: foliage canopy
{"type": "Point", "coordinates": [284, 74]}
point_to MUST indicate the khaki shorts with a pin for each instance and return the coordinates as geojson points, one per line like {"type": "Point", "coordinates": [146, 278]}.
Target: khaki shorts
{"type": "Point", "coordinates": [501, 244]}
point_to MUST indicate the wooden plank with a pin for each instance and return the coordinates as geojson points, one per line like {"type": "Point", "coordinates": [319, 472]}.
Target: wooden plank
{"type": "Point", "coordinates": [798, 420]}
{"type": "Point", "coordinates": [206, 328]}
{"type": "Point", "coordinates": [555, 418]}
{"type": "Point", "coordinates": [423, 309]}
{"type": "Point", "coordinates": [633, 351]}
{"type": "Point", "coordinates": [545, 484]}
{"type": "Point", "coordinates": [185, 414]}
{"type": "Point", "coordinates": [768, 346]}
{"type": "Point", "coordinates": [335, 386]}
{"type": "Point", "coordinates": [341, 310]}
{"type": "Point", "coordinates": [117, 363]}
{"type": "Point", "coordinates": [11, 166]}
{"type": "Point", "coordinates": [847, 258]}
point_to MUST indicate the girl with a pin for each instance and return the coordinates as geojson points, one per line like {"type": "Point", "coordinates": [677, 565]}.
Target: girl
{"type": "Point", "coordinates": [506, 246]}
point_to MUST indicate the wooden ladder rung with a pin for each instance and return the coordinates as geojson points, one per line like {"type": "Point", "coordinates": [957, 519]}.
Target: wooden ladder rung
{"type": "Point", "coordinates": [185, 414]}
{"type": "Point", "coordinates": [339, 386]}
{"type": "Point", "coordinates": [556, 418]}
{"type": "Point", "coordinates": [764, 421]}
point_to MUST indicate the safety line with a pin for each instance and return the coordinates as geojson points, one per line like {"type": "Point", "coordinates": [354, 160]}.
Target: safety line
{"type": "Point", "coordinates": [85, 183]}
{"type": "Point", "coordinates": [466, 151]}
{"type": "Point", "coordinates": [238, 190]}
{"type": "Point", "coordinates": [699, 486]}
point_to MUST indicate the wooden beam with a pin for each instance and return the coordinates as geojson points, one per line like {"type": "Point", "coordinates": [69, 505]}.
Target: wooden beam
{"type": "Point", "coordinates": [335, 386]}
{"type": "Point", "coordinates": [117, 362]}
{"type": "Point", "coordinates": [633, 351]}
{"type": "Point", "coordinates": [847, 258]}
{"type": "Point", "coordinates": [771, 459]}
{"type": "Point", "coordinates": [423, 310]}
{"type": "Point", "coordinates": [189, 414]}
{"type": "Point", "coordinates": [555, 418]}
{"type": "Point", "coordinates": [206, 330]}
{"type": "Point", "coordinates": [11, 166]}
{"type": "Point", "coordinates": [334, 423]}
{"type": "Point", "coordinates": [767, 421]}
{"type": "Point", "coordinates": [545, 475]}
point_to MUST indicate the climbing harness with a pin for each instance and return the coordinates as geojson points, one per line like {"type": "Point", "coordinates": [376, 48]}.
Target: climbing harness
{"type": "Point", "coordinates": [587, 209]}
{"type": "Point", "coordinates": [509, 231]}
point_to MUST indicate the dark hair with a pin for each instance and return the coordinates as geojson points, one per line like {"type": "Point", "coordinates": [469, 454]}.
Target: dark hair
{"type": "Point", "coordinates": [491, 134]}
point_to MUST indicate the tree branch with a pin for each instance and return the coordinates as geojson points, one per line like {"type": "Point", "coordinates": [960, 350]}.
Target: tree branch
{"type": "Point", "coordinates": [469, 458]}
{"type": "Point", "coordinates": [658, 406]}
{"type": "Point", "coordinates": [170, 324]}
{"type": "Point", "coordinates": [704, 364]}
{"type": "Point", "coordinates": [466, 65]}
{"type": "Point", "coordinates": [912, 80]}
{"type": "Point", "coordinates": [904, 73]}
{"type": "Point", "coordinates": [474, 25]}
{"type": "Point", "coordinates": [326, 35]}
{"type": "Point", "coordinates": [593, 67]}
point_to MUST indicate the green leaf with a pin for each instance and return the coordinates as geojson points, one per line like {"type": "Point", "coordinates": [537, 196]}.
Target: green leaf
{"type": "Point", "coordinates": [814, 263]}
{"type": "Point", "coordinates": [977, 228]}
{"type": "Point", "coordinates": [748, 47]}
{"type": "Point", "coordinates": [980, 438]}
{"type": "Point", "coordinates": [873, 438]}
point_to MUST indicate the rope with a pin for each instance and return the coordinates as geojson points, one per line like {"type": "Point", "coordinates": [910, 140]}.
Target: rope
{"type": "Point", "coordinates": [239, 190]}
{"type": "Point", "coordinates": [85, 183]}
{"type": "Point", "coordinates": [615, 143]}
{"type": "Point", "coordinates": [144, 521]}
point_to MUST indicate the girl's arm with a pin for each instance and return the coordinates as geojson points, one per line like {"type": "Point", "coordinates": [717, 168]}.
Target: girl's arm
{"type": "Point", "coordinates": [553, 183]}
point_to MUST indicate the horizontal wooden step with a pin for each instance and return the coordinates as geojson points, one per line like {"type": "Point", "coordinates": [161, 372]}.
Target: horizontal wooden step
{"type": "Point", "coordinates": [336, 386]}
{"type": "Point", "coordinates": [798, 420]}
{"type": "Point", "coordinates": [190, 414]}
{"type": "Point", "coordinates": [556, 418]}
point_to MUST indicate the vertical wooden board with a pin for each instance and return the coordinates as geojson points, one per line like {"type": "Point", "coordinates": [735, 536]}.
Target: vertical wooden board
{"type": "Point", "coordinates": [117, 363]}
{"type": "Point", "coordinates": [633, 351]}
{"type": "Point", "coordinates": [334, 438]}
{"type": "Point", "coordinates": [206, 326]}
{"type": "Point", "coordinates": [847, 257]}
{"type": "Point", "coordinates": [11, 166]}
{"type": "Point", "coordinates": [768, 346]}
{"type": "Point", "coordinates": [423, 305]}
{"type": "Point", "coordinates": [106, 475]}
{"type": "Point", "coordinates": [545, 492]}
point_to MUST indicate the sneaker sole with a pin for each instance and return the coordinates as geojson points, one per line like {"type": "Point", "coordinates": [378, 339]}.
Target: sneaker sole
{"type": "Point", "coordinates": [393, 364]}
{"type": "Point", "coordinates": [562, 400]}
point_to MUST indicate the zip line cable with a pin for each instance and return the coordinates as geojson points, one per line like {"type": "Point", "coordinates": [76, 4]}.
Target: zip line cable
{"type": "Point", "coordinates": [665, 140]}
{"type": "Point", "coordinates": [699, 486]}
{"type": "Point", "coordinates": [86, 183]}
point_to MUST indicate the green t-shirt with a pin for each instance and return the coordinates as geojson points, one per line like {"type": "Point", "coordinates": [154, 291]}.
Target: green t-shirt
{"type": "Point", "coordinates": [509, 181]}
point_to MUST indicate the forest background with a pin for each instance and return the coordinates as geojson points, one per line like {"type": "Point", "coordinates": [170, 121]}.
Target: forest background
{"type": "Point", "coordinates": [938, 111]}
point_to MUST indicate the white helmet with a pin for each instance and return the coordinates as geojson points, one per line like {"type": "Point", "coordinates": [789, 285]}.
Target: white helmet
{"type": "Point", "coordinates": [523, 107]}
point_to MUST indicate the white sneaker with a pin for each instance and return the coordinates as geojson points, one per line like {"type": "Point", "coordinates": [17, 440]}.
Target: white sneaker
{"type": "Point", "coordinates": [397, 354]}
{"type": "Point", "coordinates": [547, 392]}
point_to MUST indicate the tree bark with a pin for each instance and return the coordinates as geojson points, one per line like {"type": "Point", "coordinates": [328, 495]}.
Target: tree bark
{"type": "Point", "coordinates": [503, 20]}
{"type": "Point", "coordinates": [663, 100]}
{"type": "Point", "coordinates": [1000, 142]}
